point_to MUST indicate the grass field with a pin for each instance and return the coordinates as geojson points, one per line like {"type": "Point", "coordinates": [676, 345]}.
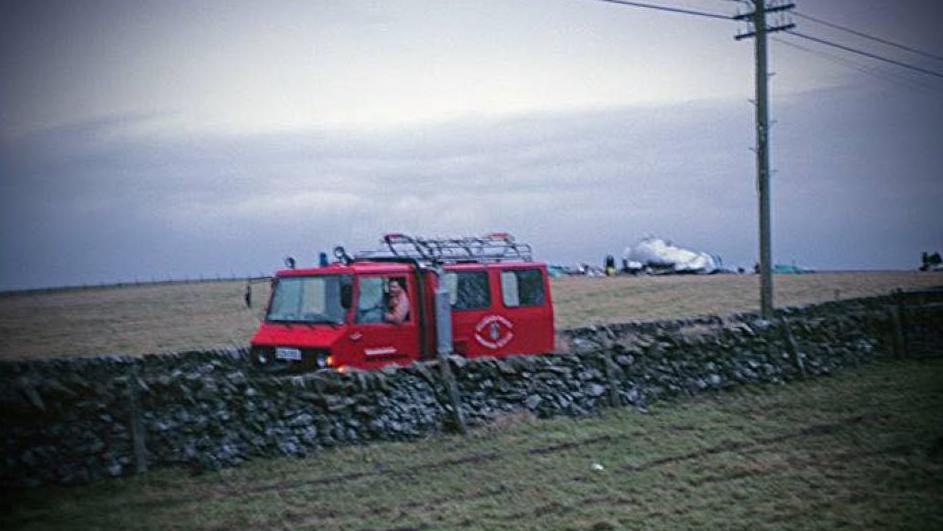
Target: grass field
{"type": "Point", "coordinates": [863, 449]}
{"type": "Point", "coordinates": [580, 300]}
{"type": "Point", "coordinates": [174, 317]}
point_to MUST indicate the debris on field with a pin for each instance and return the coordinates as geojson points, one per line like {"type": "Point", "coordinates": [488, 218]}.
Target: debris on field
{"type": "Point", "coordinates": [657, 256]}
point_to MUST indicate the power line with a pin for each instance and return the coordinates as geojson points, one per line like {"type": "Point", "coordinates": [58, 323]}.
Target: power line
{"type": "Point", "coordinates": [866, 36]}
{"type": "Point", "coordinates": [879, 74]}
{"type": "Point", "coordinates": [866, 54]}
{"type": "Point", "coordinates": [669, 9]}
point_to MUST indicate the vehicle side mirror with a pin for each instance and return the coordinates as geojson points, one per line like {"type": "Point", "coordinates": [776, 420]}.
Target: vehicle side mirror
{"type": "Point", "coordinates": [347, 296]}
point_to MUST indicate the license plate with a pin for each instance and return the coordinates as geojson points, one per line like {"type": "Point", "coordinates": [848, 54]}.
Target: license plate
{"type": "Point", "coordinates": [283, 353]}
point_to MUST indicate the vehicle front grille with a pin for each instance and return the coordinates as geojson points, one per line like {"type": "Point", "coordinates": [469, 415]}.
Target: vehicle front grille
{"type": "Point", "coordinates": [264, 358]}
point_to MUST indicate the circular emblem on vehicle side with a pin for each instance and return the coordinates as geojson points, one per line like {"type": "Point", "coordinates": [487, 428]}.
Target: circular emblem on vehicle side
{"type": "Point", "coordinates": [494, 332]}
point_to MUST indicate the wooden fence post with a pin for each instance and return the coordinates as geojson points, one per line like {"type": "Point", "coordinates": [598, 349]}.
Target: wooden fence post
{"type": "Point", "coordinates": [793, 347]}
{"type": "Point", "coordinates": [137, 423]}
{"type": "Point", "coordinates": [611, 369]}
{"type": "Point", "coordinates": [451, 388]}
{"type": "Point", "coordinates": [899, 343]}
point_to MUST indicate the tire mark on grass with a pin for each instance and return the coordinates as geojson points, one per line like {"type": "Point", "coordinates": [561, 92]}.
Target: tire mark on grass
{"type": "Point", "coordinates": [818, 507]}
{"type": "Point", "coordinates": [802, 463]}
{"type": "Point", "coordinates": [488, 493]}
{"type": "Point", "coordinates": [428, 505]}
{"type": "Point", "coordinates": [343, 478]}
{"type": "Point", "coordinates": [568, 445]}
{"type": "Point", "coordinates": [230, 491]}
{"type": "Point", "coordinates": [820, 429]}
{"type": "Point", "coordinates": [626, 499]}
{"type": "Point", "coordinates": [629, 500]}
{"type": "Point", "coordinates": [560, 508]}
{"type": "Point", "coordinates": [811, 431]}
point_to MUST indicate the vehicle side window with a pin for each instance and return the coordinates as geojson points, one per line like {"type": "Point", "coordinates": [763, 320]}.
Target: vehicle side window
{"type": "Point", "coordinates": [468, 290]}
{"type": "Point", "coordinates": [383, 300]}
{"type": "Point", "coordinates": [370, 303]}
{"type": "Point", "coordinates": [522, 287]}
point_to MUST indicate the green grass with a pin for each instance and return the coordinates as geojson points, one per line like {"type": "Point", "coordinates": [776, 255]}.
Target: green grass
{"type": "Point", "coordinates": [862, 449]}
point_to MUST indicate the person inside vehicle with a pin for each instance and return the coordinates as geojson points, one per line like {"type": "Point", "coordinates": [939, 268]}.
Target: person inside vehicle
{"type": "Point", "coordinates": [398, 305]}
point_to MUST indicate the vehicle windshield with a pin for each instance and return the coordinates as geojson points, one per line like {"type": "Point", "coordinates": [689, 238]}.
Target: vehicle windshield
{"type": "Point", "coordinates": [315, 299]}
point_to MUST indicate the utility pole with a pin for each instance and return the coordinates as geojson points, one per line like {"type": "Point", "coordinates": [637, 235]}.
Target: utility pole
{"type": "Point", "coordinates": [760, 30]}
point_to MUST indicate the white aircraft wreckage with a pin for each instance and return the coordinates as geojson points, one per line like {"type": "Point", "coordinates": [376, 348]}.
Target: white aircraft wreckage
{"type": "Point", "coordinates": [658, 257]}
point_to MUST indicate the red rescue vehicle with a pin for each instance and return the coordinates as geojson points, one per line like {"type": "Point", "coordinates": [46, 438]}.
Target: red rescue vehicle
{"type": "Point", "coordinates": [412, 300]}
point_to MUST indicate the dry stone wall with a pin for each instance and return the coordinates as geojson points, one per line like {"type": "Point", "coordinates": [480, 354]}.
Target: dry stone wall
{"type": "Point", "coordinates": [70, 421]}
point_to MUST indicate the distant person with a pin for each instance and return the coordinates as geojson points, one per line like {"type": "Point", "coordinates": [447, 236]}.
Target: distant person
{"type": "Point", "coordinates": [398, 309]}
{"type": "Point", "coordinates": [248, 295]}
{"type": "Point", "coordinates": [610, 265]}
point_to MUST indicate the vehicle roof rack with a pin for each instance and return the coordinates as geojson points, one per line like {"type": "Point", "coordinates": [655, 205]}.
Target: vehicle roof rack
{"type": "Point", "coordinates": [493, 247]}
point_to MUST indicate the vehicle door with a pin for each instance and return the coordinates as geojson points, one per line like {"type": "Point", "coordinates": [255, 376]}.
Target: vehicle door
{"type": "Point", "coordinates": [374, 340]}
{"type": "Point", "coordinates": [524, 324]}
{"type": "Point", "coordinates": [471, 300]}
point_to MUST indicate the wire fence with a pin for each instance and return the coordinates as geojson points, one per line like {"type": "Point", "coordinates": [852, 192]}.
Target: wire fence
{"type": "Point", "coordinates": [137, 283]}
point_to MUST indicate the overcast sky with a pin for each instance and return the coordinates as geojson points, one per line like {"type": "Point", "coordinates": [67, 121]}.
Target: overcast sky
{"type": "Point", "coordinates": [164, 139]}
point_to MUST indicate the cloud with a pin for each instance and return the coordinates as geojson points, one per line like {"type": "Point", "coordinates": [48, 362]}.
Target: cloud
{"type": "Point", "coordinates": [111, 200]}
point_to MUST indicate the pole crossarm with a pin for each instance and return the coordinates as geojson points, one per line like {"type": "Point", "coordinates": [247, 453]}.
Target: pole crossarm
{"type": "Point", "coordinates": [773, 9]}
{"type": "Point", "coordinates": [769, 29]}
